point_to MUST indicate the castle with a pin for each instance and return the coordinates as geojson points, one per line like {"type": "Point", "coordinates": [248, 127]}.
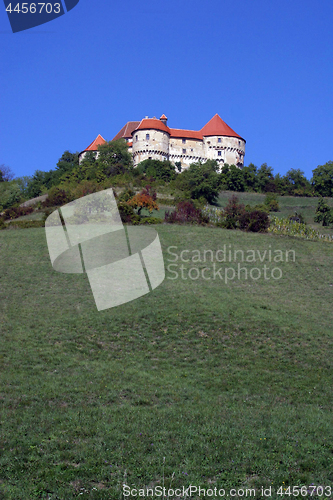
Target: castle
{"type": "Point", "coordinates": [152, 138]}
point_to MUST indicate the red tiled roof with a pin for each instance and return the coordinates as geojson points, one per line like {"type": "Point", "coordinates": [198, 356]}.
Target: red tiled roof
{"type": "Point", "coordinates": [97, 142]}
{"type": "Point", "coordinates": [216, 126]}
{"type": "Point", "coordinates": [186, 134]}
{"type": "Point", "coordinates": [153, 123]}
{"type": "Point", "coordinates": [126, 131]}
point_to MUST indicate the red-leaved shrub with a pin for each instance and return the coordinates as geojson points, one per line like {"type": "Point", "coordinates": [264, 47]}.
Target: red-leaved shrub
{"type": "Point", "coordinates": [186, 212]}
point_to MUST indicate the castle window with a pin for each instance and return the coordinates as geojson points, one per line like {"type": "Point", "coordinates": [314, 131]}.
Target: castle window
{"type": "Point", "coordinates": [219, 139]}
{"type": "Point", "coordinates": [192, 149]}
{"type": "Point", "coordinates": [184, 151]}
{"type": "Point", "coordinates": [136, 137]}
{"type": "Point", "coordinates": [147, 137]}
{"type": "Point", "coordinates": [238, 143]}
{"type": "Point", "coordinates": [184, 141]}
{"type": "Point", "coordinates": [219, 153]}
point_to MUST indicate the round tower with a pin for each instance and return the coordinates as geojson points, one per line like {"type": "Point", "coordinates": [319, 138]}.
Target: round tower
{"type": "Point", "coordinates": [222, 144]}
{"type": "Point", "coordinates": [150, 141]}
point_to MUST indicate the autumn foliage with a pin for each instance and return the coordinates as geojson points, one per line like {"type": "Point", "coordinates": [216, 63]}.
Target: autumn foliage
{"type": "Point", "coordinates": [145, 199]}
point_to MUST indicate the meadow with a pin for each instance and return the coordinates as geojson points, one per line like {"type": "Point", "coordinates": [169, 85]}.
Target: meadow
{"type": "Point", "coordinates": [209, 382]}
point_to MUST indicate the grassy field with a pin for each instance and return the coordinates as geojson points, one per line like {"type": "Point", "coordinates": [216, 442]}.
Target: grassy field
{"type": "Point", "coordinates": [201, 382]}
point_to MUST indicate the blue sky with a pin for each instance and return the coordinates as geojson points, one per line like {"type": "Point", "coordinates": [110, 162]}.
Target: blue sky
{"type": "Point", "coordinates": [265, 67]}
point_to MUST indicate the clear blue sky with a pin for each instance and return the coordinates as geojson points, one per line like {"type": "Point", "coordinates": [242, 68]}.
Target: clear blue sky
{"type": "Point", "coordinates": [266, 67]}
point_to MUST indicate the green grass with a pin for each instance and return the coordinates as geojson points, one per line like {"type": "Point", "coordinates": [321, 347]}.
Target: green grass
{"type": "Point", "coordinates": [231, 383]}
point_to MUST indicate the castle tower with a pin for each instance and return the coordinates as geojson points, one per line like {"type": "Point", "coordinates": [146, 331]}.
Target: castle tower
{"type": "Point", "coordinates": [150, 140]}
{"type": "Point", "coordinates": [222, 144]}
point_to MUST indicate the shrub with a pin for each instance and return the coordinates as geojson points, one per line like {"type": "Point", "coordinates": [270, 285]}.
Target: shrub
{"type": "Point", "coordinates": [127, 213]}
{"type": "Point", "coordinates": [14, 212]}
{"type": "Point", "coordinates": [150, 220]}
{"type": "Point", "coordinates": [271, 202]}
{"type": "Point", "coordinates": [85, 188]}
{"type": "Point", "coordinates": [145, 199]}
{"type": "Point", "coordinates": [256, 221]}
{"type": "Point", "coordinates": [58, 197]}
{"type": "Point", "coordinates": [126, 195]}
{"type": "Point", "coordinates": [186, 212]}
{"type": "Point", "coordinates": [324, 213]}
{"type": "Point", "coordinates": [233, 212]}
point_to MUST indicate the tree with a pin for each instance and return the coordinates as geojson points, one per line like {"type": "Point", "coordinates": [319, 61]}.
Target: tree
{"type": "Point", "coordinates": [265, 178]}
{"type": "Point", "coordinates": [250, 177]}
{"type": "Point", "coordinates": [200, 180]}
{"type": "Point", "coordinates": [67, 162]}
{"type": "Point", "coordinates": [281, 184]}
{"type": "Point", "coordinates": [9, 194]}
{"type": "Point", "coordinates": [324, 213]}
{"type": "Point", "coordinates": [40, 182]}
{"type": "Point", "coordinates": [23, 183]}
{"type": "Point", "coordinates": [235, 179]}
{"type": "Point", "coordinates": [296, 182]}
{"type": "Point", "coordinates": [163, 170]}
{"type": "Point", "coordinates": [143, 200]}
{"type": "Point", "coordinates": [322, 179]}
{"type": "Point", "coordinates": [114, 157]}
{"type": "Point", "coordinates": [6, 173]}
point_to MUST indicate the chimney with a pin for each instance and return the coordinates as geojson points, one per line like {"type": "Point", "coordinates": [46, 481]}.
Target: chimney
{"type": "Point", "coordinates": [164, 119]}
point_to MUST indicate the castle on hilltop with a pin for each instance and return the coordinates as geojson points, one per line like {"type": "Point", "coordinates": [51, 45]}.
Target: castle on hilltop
{"type": "Point", "coordinates": [151, 138]}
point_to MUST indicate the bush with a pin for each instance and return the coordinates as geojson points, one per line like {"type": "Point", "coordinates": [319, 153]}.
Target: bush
{"type": "Point", "coordinates": [256, 221]}
{"type": "Point", "coordinates": [126, 195]}
{"type": "Point", "coordinates": [127, 213]}
{"type": "Point", "coordinates": [235, 215]}
{"type": "Point", "coordinates": [233, 212]}
{"type": "Point", "coordinates": [24, 224]}
{"type": "Point", "coordinates": [324, 213]}
{"type": "Point", "coordinates": [14, 212]}
{"type": "Point", "coordinates": [186, 212]}
{"type": "Point", "coordinates": [271, 203]}
{"type": "Point", "coordinates": [83, 189]}
{"type": "Point", "coordinates": [58, 197]}
{"type": "Point", "coordinates": [150, 220]}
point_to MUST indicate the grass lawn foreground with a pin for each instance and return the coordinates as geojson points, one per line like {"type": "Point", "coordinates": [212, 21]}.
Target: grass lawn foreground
{"type": "Point", "coordinates": [201, 382]}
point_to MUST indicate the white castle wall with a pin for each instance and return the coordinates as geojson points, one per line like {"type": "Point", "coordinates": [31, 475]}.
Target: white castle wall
{"type": "Point", "coordinates": [229, 150]}
{"type": "Point", "coordinates": [156, 147]}
{"type": "Point", "coordinates": [187, 152]}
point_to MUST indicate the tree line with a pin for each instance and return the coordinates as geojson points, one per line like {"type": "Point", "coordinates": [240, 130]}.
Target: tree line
{"type": "Point", "coordinates": [114, 166]}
